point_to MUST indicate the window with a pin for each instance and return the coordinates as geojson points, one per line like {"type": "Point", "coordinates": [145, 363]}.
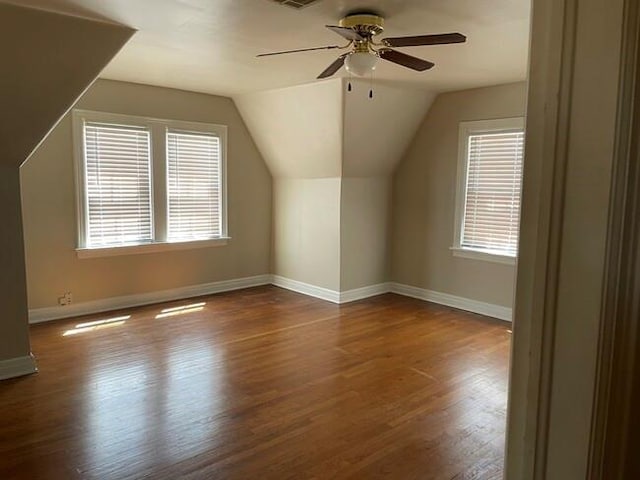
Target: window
{"type": "Point", "coordinates": [117, 184]}
{"type": "Point", "coordinates": [489, 189]}
{"type": "Point", "coordinates": [194, 185]}
{"type": "Point", "coordinates": [146, 185]}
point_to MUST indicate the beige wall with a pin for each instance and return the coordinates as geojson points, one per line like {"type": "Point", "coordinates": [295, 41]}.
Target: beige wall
{"type": "Point", "coordinates": [424, 192]}
{"type": "Point", "coordinates": [307, 230]}
{"type": "Point", "coordinates": [14, 334]}
{"type": "Point", "coordinates": [364, 227]}
{"type": "Point", "coordinates": [49, 207]}
{"type": "Point", "coordinates": [332, 232]}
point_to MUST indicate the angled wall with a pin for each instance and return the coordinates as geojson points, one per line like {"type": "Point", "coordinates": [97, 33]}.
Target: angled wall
{"type": "Point", "coordinates": [48, 61]}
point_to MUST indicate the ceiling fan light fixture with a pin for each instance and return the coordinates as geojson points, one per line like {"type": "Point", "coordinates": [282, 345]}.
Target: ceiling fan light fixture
{"type": "Point", "coordinates": [360, 63]}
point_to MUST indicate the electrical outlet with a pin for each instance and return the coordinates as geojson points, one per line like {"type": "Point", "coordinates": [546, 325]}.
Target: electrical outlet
{"type": "Point", "coordinates": [66, 299]}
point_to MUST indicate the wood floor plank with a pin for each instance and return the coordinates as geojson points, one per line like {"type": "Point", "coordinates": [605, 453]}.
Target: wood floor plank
{"type": "Point", "coordinates": [261, 383]}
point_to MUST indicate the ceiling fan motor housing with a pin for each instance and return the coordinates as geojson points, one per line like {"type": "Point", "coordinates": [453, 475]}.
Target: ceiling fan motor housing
{"type": "Point", "coordinates": [366, 24]}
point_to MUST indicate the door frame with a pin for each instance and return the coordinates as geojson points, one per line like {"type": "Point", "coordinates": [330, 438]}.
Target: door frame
{"type": "Point", "coordinates": [614, 423]}
{"type": "Point", "coordinates": [553, 26]}
{"type": "Point", "coordinates": [557, 27]}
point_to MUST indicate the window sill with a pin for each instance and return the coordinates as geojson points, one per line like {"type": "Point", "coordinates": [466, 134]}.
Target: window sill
{"type": "Point", "coordinates": [149, 248]}
{"type": "Point", "coordinates": [482, 255]}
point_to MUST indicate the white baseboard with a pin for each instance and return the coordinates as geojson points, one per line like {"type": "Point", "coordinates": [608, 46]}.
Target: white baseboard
{"type": "Point", "coordinates": [332, 296]}
{"type": "Point", "coordinates": [475, 306]}
{"type": "Point", "coordinates": [17, 367]}
{"type": "Point", "coordinates": [306, 289]}
{"type": "Point", "coordinates": [364, 292]}
{"type": "Point", "coordinates": [39, 315]}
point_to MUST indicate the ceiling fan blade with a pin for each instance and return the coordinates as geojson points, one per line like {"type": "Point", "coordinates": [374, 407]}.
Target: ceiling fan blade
{"type": "Point", "coordinates": [405, 60]}
{"type": "Point", "coordinates": [329, 47]}
{"type": "Point", "coordinates": [439, 39]}
{"type": "Point", "coordinates": [347, 33]}
{"type": "Point", "coordinates": [334, 67]}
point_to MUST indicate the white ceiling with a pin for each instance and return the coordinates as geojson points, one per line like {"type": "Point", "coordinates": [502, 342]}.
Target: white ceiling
{"type": "Point", "coordinates": [210, 45]}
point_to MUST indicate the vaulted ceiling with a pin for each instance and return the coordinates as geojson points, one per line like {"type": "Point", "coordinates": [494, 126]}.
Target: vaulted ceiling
{"type": "Point", "coordinates": [210, 45]}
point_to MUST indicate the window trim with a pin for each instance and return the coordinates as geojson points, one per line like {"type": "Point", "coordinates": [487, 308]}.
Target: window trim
{"type": "Point", "coordinates": [477, 127]}
{"type": "Point", "coordinates": [153, 247]}
{"type": "Point", "coordinates": [159, 180]}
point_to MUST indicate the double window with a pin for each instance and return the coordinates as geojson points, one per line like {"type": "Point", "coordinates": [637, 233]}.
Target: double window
{"type": "Point", "coordinates": [147, 185]}
{"type": "Point", "coordinates": [489, 189]}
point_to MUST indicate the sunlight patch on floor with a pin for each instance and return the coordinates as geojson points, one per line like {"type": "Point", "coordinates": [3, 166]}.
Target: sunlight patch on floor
{"type": "Point", "coordinates": [184, 309]}
{"type": "Point", "coordinates": [97, 325]}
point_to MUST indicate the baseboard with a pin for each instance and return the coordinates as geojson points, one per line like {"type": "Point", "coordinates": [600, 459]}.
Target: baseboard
{"type": "Point", "coordinates": [364, 292]}
{"type": "Point", "coordinates": [475, 306]}
{"type": "Point", "coordinates": [306, 289]}
{"type": "Point", "coordinates": [17, 367]}
{"type": "Point", "coordinates": [47, 314]}
{"type": "Point", "coordinates": [332, 296]}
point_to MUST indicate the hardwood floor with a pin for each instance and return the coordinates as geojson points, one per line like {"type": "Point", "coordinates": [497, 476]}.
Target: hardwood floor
{"type": "Point", "coordinates": [261, 384]}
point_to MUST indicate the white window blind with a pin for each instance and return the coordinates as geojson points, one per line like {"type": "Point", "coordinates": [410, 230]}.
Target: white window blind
{"type": "Point", "coordinates": [493, 190]}
{"type": "Point", "coordinates": [117, 185]}
{"type": "Point", "coordinates": [194, 190]}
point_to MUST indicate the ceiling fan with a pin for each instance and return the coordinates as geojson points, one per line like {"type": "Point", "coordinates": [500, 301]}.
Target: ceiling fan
{"type": "Point", "coordinates": [360, 29]}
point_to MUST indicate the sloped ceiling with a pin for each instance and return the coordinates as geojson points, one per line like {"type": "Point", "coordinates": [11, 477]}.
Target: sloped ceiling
{"type": "Point", "coordinates": [299, 129]}
{"type": "Point", "coordinates": [48, 60]}
{"type": "Point", "coordinates": [323, 130]}
{"type": "Point", "coordinates": [378, 130]}
{"type": "Point", "coordinates": [210, 45]}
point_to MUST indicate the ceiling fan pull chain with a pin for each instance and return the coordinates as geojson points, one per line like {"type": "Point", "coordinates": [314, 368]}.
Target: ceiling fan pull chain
{"type": "Point", "coordinates": [371, 85]}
